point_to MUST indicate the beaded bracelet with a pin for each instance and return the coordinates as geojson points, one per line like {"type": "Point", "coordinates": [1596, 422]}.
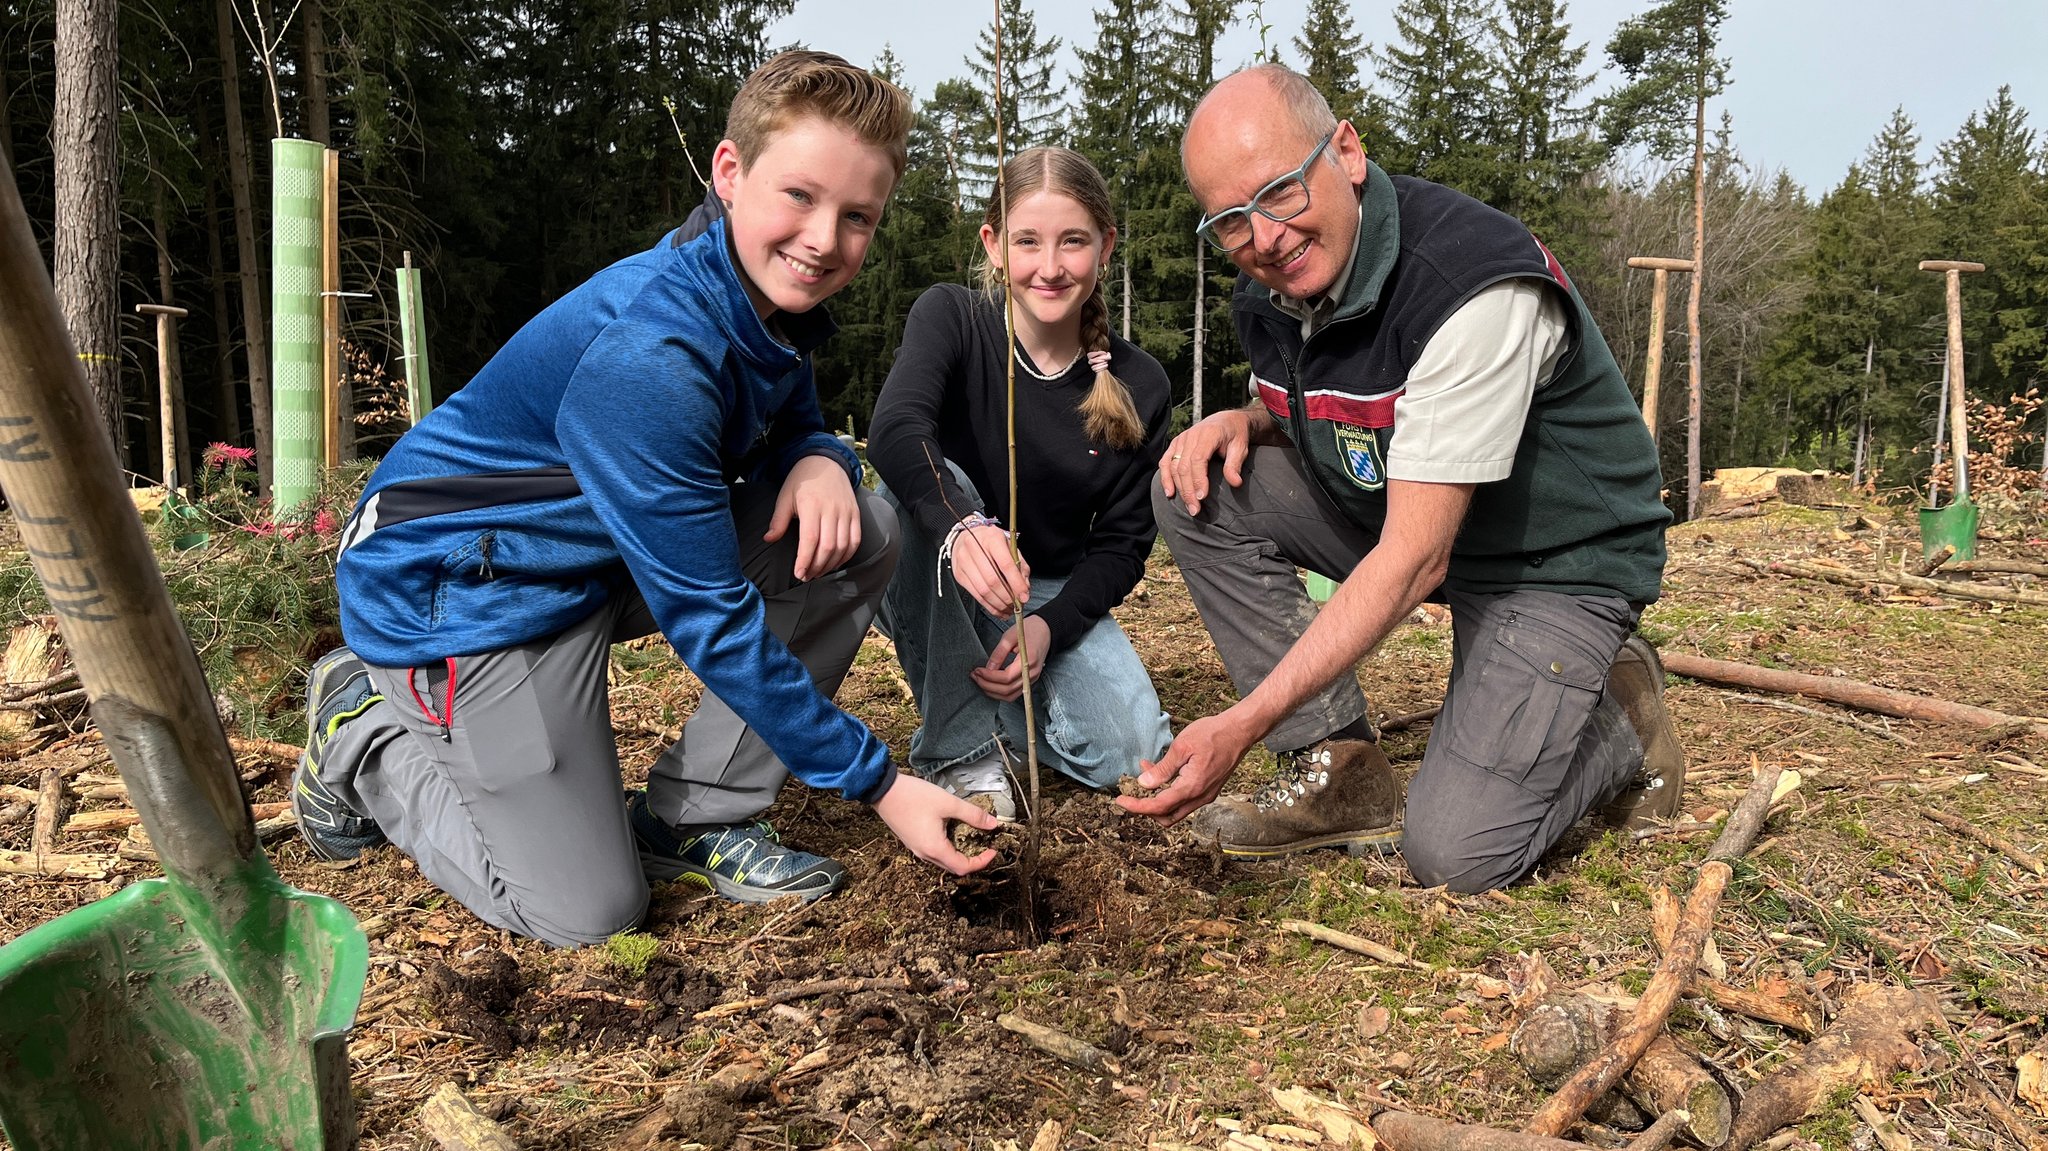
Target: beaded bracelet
{"type": "Point", "coordinates": [977, 520]}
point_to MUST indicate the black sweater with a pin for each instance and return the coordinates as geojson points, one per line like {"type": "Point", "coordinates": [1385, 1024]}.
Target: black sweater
{"type": "Point", "coordinates": [1084, 509]}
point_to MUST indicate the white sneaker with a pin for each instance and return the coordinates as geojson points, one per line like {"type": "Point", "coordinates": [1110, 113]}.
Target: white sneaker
{"type": "Point", "coordinates": [987, 776]}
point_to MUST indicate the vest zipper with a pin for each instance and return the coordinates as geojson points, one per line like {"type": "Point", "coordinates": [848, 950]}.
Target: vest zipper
{"type": "Point", "coordinates": [1297, 414]}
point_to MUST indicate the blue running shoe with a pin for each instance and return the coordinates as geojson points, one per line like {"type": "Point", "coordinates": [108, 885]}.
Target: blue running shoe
{"type": "Point", "coordinates": [337, 691]}
{"type": "Point", "coordinates": [744, 862]}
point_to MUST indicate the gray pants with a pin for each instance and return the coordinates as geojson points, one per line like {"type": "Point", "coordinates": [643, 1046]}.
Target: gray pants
{"type": "Point", "coordinates": [1528, 740]}
{"type": "Point", "coordinates": [517, 811]}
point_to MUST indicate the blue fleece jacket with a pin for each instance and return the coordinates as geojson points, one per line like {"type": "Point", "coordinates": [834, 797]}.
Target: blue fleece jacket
{"type": "Point", "coordinates": [596, 448]}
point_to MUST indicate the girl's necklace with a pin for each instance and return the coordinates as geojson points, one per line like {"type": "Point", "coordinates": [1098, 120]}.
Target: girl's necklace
{"type": "Point", "coordinates": [1024, 361]}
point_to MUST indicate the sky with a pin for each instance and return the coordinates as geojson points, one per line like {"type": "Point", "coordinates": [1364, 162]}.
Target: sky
{"type": "Point", "coordinates": [1811, 81]}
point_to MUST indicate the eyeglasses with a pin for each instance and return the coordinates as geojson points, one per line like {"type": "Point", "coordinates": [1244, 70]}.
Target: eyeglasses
{"type": "Point", "coordinates": [1279, 201]}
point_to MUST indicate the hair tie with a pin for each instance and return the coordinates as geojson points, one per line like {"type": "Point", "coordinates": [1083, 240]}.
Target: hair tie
{"type": "Point", "coordinates": [1099, 361]}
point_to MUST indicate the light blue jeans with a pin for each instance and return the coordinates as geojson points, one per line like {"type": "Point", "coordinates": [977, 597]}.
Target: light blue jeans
{"type": "Point", "coordinates": [1098, 713]}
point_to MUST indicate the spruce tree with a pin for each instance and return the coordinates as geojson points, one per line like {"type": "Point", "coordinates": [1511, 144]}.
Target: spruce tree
{"type": "Point", "coordinates": [1439, 85]}
{"type": "Point", "coordinates": [1115, 120]}
{"type": "Point", "coordinates": [1986, 196]}
{"type": "Point", "coordinates": [1542, 129]}
{"type": "Point", "coordinates": [1330, 52]}
{"type": "Point", "coordinates": [1031, 108]}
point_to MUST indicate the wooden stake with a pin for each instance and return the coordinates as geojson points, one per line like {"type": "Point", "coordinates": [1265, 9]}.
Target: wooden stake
{"type": "Point", "coordinates": [1958, 419]}
{"type": "Point", "coordinates": [1653, 369]}
{"type": "Point", "coordinates": [1868, 1041]}
{"type": "Point", "coordinates": [457, 1126]}
{"type": "Point", "coordinates": [1848, 692]}
{"type": "Point", "coordinates": [169, 402]}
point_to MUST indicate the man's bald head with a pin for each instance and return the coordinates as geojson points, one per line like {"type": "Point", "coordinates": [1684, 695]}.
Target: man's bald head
{"type": "Point", "coordinates": [1261, 95]}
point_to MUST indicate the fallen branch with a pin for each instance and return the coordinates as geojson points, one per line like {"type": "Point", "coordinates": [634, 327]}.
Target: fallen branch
{"type": "Point", "coordinates": [1661, 1132]}
{"type": "Point", "coordinates": [1673, 973]}
{"type": "Point", "coordinates": [1410, 719]}
{"type": "Point", "coordinates": [1862, 725]}
{"type": "Point", "coordinates": [19, 691]}
{"type": "Point", "coordinates": [53, 866]}
{"type": "Point", "coordinates": [1404, 1131]}
{"type": "Point", "coordinates": [1848, 692]}
{"type": "Point", "coordinates": [1353, 943]}
{"type": "Point", "coordinates": [2000, 567]}
{"type": "Point", "coordinates": [1958, 589]}
{"type": "Point", "coordinates": [14, 813]}
{"type": "Point", "coordinates": [457, 1126]}
{"type": "Point", "coordinates": [118, 818]}
{"type": "Point", "coordinates": [1988, 838]}
{"type": "Point", "coordinates": [284, 752]}
{"type": "Point", "coordinates": [1060, 1045]}
{"type": "Point", "coordinates": [38, 702]}
{"type": "Point", "coordinates": [1867, 1042]}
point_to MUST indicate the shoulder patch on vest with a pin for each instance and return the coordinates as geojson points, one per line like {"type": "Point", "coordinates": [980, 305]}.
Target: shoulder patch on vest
{"type": "Point", "coordinates": [1360, 450]}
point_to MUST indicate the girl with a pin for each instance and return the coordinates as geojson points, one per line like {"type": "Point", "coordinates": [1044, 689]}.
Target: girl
{"type": "Point", "coordinates": [1092, 414]}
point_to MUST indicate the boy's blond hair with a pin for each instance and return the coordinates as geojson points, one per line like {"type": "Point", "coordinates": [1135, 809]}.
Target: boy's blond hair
{"type": "Point", "coordinates": [803, 83]}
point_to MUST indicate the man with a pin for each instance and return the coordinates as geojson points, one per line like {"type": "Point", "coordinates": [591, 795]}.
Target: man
{"type": "Point", "coordinates": [1437, 417]}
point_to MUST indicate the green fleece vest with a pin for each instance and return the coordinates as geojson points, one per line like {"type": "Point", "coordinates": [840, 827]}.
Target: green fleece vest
{"type": "Point", "coordinates": [1580, 513]}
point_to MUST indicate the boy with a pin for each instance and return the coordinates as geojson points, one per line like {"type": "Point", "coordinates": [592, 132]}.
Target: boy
{"type": "Point", "coordinates": [646, 454]}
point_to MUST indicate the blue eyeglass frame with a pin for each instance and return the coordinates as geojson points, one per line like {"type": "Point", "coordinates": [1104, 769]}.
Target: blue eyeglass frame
{"type": "Point", "coordinates": [1206, 229]}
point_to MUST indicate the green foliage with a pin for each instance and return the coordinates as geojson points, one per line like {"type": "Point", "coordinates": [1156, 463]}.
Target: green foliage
{"type": "Point", "coordinates": [1330, 52]}
{"type": "Point", "coordinates": [1440, 90]}
{"type": "Point", "coordinates": [1666, 56]}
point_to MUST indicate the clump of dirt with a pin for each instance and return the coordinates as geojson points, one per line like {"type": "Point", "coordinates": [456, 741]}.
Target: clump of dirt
{"type": "Point", "coordinates": [472, 1001]}
{"type": "Point", "coordinates": [706, 1111]}
{"type": "Point", "coordinates": [593, 1011]}
{"type": "Point", "coordinates": [896, 1085]}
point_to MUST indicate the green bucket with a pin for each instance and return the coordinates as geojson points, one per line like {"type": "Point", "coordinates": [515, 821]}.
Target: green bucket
{"type": "Point", "coordinates": [1955, 524]}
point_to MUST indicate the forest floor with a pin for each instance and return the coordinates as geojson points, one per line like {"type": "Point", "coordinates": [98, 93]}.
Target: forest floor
{"type": "Point", "coordinates": [1171, 960]}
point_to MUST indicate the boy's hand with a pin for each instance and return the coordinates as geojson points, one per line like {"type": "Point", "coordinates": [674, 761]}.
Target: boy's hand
{"type": "Point", "coordinates": [820, 498]}
{"type": "Point", "coordinates": [983, 568]}
{"type": "Point", "coordinates": [1002, 677]}
{"type": "Point", "coordinates": [918, 810]}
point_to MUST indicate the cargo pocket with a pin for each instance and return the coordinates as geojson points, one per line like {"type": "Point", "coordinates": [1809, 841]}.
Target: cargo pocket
{"type": "Point", "coordinates": [1520, 710]}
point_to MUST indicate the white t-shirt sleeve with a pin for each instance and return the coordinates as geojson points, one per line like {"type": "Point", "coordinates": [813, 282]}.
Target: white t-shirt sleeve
{"type": "Point", "coordinates": [1461, 417]}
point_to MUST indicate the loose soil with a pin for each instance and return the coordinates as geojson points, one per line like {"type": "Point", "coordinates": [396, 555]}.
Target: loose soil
{"type": "Point", "coordinates": [1150, 947]}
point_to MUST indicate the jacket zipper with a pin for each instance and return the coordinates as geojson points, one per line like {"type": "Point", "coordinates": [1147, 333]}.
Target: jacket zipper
{"type": "Point", "coordinates": [1297, 414]}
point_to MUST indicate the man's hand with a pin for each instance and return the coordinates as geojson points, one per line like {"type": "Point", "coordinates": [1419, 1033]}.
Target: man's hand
{"type": "Point", "coordinates": [917, 811]}
{"type": "Point", "coordinates": [1193, 770]}
{"type": "Point", "coordinates": [1002, 677]}
{"type": "Point", "coordinates": [819, 497]}
{"type": "Point", "coordinates": [983, 568]}
{"type": "Point", "coordinates": [1184, 469]}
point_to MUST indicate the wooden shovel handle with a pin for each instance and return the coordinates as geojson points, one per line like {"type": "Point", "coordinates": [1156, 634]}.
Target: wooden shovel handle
{"type": "Point", "coordinates": [58, 468]}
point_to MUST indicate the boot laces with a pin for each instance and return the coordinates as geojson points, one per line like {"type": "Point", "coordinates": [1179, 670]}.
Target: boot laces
{"type": "Point", "coordinates": [1298, 771]}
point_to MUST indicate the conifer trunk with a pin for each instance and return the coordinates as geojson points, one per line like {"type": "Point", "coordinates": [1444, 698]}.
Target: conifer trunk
{"type": "Point", "coordinates": [255, 330]}
{"type": "Point", "coordinates": [85, 137]}
{"type": "Point", "coordinates": [1699, 275]}
{"type": "Point", "coordinates": [317, 118]}
{"type": "Point", "coordinates": [1127, 320]}
{"type": "Point", "coordinates": [228, 420]}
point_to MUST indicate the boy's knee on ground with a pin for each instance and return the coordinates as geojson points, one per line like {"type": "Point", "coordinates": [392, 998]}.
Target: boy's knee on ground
{"type": "Point", "coordinates": [582, 917]}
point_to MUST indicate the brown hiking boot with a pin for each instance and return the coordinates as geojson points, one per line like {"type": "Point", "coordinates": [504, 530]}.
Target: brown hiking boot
{"type": "Point", "coordinates": [1637, 681]}
{"type": "Point", "coordinates": [1337, 793]}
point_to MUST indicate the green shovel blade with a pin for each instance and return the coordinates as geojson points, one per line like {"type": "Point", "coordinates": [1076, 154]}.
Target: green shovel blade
{"type": "Point", "coordinates": [1955, 524]}
{"type": "Point", "coordinates": [146, 1021]}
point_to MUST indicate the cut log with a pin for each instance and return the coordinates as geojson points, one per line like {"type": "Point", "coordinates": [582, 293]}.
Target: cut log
{"type": "Point", "coordinates": [49, 812]}
{"type": "Point", "coordinates": [457, 1126]}
{"type": "Point", "coordinates": [1867, 1042]}
{"type": "Point", "coordinates": [117, 818]}
{"type": "Point", "coordinates": [1403, 1131]}
{"type": "Point", "coordinates": [1568, 1030]}
{"type": "Point", "coordinates": [1673, 973]}
{"type": "Point", "coordinates": [1848, 692]}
